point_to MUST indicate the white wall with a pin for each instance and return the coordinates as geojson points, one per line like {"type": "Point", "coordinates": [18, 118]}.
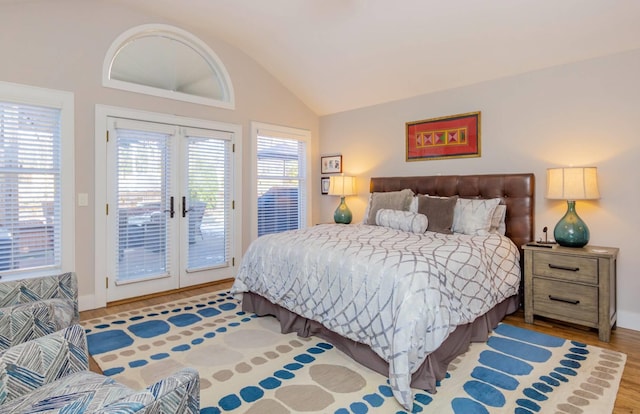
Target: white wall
{"type": "Point", "coordinates": [580, 114]}
{"type": "Point", "coordinates": [61, 45]}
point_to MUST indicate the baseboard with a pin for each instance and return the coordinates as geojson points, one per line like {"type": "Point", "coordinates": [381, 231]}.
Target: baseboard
{"type": "Point", "coordinates": [88, 302]}
{"type": "Point", "coordinates": [629, 320]}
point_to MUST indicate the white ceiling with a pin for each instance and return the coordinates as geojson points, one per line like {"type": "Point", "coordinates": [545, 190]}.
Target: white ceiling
{"type": "Point", "coordinates": [337, 55]}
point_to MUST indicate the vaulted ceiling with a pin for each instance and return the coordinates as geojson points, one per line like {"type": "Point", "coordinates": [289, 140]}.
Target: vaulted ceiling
{"type": "Point", "coordinates": [337, 55]}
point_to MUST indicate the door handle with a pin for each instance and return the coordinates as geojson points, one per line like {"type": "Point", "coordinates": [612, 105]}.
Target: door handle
{"type": "Point", "coordinates": [184, 206]}
{"type": "Point", "coordinates": [171, 210]}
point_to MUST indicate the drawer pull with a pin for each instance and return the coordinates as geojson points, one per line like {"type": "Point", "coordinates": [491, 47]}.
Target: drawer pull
{"type": "Point", "coordinates": [570, 301]}
{"type": "Point", "coordinates": [571, 269]}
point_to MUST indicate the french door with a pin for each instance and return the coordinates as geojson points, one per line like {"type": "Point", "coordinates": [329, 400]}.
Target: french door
{"type": "Point", "coordinates": [170, 201]}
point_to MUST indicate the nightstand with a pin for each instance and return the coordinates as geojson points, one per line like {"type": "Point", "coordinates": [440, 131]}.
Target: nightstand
{"type": "Point", "coordinates": [576, 285]}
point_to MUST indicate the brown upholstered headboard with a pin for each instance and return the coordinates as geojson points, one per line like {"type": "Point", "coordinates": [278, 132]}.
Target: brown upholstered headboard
{"type": "Point", "coordinates": [517, 191]}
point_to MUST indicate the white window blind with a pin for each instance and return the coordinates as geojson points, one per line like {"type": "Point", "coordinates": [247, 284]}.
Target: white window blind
{"type": "Point", "coordinates": [30, 174]}
{"type": "Point", "coordinates": [209, 205]}
{"type": "Point", "coordinates": [281, 177]}
{"type": "Point", "coordinates": [143, 203]}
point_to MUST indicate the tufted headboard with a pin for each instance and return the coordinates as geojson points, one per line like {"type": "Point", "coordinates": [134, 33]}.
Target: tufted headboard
{"type": "Point", "coordinates": [516, 190]}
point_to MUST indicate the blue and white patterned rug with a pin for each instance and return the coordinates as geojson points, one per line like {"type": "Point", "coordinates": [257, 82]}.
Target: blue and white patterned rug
{"type": "Point", "coordinates": [247, 366]}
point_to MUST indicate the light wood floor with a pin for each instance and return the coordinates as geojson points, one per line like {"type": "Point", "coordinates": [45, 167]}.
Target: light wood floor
{"type": "Point", "coordinates": [622, 340]}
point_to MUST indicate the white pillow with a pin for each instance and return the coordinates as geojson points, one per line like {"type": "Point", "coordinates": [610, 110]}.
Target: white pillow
{"type": "Point", "coordinates": [473, 216]}
{"type": "Point", "coordinates": [402, 220]}
{"type": "Point", "coordinates": [498, 220]}
{"type": "Point", "coordinates": [413, 207]}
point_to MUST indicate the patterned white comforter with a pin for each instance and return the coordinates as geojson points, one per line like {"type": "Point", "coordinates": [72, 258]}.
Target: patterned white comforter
{"type": "Point", "coordinates": [400, 293]}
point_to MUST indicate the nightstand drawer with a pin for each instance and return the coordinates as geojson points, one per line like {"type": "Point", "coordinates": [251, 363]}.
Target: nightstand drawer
{"type": "Point", "coordinates": [570, 268]}
{"type": "Point", "coordinates": [565, 301]}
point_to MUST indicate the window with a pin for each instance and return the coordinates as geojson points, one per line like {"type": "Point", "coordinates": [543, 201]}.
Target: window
{"type": "Point", "coordinates": [36, 184]}
{"type": "Point", "coordinates": [165, 61]}
{"type": "Point", "coordinates": [281, 175]}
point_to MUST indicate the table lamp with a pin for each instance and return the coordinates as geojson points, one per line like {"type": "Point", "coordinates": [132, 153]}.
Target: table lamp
{"type": "Point", "coordinates": [571, 184]}
{"type": "Point", "coordinates": [342, 186]}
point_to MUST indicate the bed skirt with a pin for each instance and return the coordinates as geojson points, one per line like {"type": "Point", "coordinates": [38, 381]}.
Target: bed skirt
{"type": "Point", "coordinates": [433, 369]}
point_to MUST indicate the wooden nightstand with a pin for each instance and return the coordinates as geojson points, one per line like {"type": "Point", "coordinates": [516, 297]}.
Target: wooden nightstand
{"type": "Point", "coordinates": [576, 285]}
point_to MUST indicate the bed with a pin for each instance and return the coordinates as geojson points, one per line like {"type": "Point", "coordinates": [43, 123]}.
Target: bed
{"type": "Point", "coordinates": [426, 297]}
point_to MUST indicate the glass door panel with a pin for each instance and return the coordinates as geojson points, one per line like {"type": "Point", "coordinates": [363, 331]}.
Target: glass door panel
{"type": "Point", "coordinates": [208, 206]}
{"type": "Point", "coordinates": [143, 209]}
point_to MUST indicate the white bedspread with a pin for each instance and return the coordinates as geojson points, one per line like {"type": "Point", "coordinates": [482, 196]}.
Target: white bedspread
{"type": "Point", "coordinates": [400, 293]}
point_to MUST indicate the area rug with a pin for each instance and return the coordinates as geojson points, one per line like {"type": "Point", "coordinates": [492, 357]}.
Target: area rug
{"type": "Point", "coordinates": [247, 366]}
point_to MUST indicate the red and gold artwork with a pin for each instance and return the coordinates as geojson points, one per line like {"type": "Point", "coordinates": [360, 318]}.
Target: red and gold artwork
{"type": "Point", "coordinates": [456, 136]}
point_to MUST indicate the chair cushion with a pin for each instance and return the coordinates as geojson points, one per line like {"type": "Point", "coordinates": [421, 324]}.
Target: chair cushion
{"type": "Point", "coordinates": [23, 322]}
{"type": "Point", "coordinates": [83, 391]}
{"type": "Point", "coordinates": [63, 286]}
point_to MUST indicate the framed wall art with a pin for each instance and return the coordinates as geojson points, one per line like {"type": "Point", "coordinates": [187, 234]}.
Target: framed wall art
{"type": "Point", "coordinates": [324, 185]}
{"type": "Point", "coordinates": [455, 136]}
{"type": "Point", "coordinates": [331, 164]}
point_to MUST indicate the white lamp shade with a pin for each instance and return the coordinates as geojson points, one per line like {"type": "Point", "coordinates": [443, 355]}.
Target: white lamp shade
{"type": "Point", "coordinates": [342, 185]}
{"type": "Point", "coordinates": [573, 183]}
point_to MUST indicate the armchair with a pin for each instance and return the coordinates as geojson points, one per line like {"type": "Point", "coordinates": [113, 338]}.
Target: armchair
{"type": "Point", "coordinates": [50, 374]}
{"type": "Point", "coordinates": [34, 307]}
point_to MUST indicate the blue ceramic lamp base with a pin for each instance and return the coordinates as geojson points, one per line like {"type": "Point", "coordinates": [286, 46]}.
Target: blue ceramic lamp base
{"type": "Point", "coordinates": [342, 214]}
{"type": "Point", "coordinates": [571, 231]}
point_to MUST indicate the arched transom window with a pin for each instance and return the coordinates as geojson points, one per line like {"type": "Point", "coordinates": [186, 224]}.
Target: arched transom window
{"type": "Point", "coordinates": [165, 61]}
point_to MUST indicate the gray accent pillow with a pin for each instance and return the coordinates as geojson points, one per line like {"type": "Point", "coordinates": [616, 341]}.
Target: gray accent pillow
{"type": "Point", "coordinates": [439, 212]}
{"type": "Point", "coordinates": [392, 200]}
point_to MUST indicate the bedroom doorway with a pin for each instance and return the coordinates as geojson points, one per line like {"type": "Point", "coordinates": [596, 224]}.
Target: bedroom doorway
{"type": "Point", "coordinates": [170, 216]}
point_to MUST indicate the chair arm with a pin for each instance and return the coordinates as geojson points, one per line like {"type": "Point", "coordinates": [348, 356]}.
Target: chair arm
{"type": "Point", "coordinates": [27, 321]}
{"type": "Point", "coordinates": [32, 364]}
{"type": "Point", "coordinates": [177, 393]}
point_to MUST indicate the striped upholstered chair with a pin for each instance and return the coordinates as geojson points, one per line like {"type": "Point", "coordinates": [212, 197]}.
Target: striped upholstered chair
{"type": "Point", "coordinates": [34, 307]}
{"type": "Point", "coordinates": [50, 374]}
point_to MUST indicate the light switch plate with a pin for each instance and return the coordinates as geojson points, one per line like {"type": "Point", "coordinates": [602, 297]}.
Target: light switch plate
{"type": "Point", "coordinates": [83, 199]}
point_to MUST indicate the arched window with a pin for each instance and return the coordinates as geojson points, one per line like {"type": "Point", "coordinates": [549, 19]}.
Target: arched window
{"type": "Point", "coordinates": [165, 61]}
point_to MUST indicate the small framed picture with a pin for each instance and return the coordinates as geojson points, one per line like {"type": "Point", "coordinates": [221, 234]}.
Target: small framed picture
{"type": "Point", "coordinates": [324, 185]}
{"type": "Point", "coordinates": [331, 164]}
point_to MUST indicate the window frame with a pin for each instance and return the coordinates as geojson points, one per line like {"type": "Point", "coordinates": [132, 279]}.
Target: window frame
{"type": "Point", "coordinates": [282, 132]}
{"type": "Point", "coordinates": [64, 101]}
